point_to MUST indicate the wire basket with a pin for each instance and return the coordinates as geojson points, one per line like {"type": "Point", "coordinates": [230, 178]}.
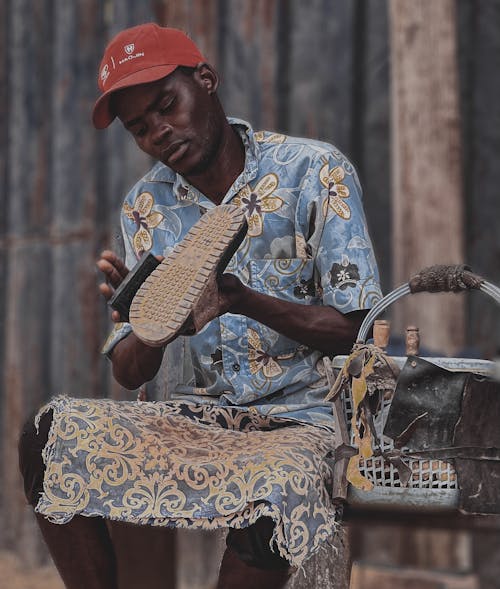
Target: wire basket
{"type": "Point", "coordinates": [433, 484]}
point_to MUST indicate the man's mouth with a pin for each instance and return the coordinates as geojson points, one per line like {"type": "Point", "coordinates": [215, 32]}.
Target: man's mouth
{"type": "Point", "coordinates": [174, 152]}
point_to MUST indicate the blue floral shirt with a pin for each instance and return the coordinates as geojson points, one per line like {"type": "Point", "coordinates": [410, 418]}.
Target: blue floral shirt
{"type": "Point", "coordinates": [307, 243]}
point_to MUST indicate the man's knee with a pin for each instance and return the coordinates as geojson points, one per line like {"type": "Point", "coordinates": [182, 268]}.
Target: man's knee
{"type": "Point", "coordinates": [31, 445]}
{"type": "Point", "coordinates": [252, 545]}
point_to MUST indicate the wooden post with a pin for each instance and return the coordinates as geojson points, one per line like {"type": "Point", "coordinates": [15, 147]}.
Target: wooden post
{"type": "Point", "coordinates": [427, 194]}
{"type": "Point", "coordinates": [427, 186]}
{"type": "Point", "coordinates": [330, 567]}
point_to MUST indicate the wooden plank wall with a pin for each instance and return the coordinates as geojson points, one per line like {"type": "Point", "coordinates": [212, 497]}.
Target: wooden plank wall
{"type": "Point", "coordinates": [426, 164]}
{"type": "Point", "coordinates": [318, 68]}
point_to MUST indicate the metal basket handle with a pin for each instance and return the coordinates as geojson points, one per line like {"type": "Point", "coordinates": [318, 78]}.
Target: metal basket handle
{"type": "Point", "coordinates": [438, 278]}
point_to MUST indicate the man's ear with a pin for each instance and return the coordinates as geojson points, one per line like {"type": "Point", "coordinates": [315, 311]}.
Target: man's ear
{"type": "Point", "coordinates": [206, 75]}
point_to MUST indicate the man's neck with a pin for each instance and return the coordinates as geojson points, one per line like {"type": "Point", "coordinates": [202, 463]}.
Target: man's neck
{"type": "Point", "coordinates": [227, 165]}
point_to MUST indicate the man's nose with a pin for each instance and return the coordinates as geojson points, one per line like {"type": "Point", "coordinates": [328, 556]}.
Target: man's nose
{"type": "Point", "coordinates": [160, 129]}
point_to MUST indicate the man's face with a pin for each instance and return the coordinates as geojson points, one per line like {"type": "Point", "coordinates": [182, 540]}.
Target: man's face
{"type": "Point", "coordinates": [175, 120]}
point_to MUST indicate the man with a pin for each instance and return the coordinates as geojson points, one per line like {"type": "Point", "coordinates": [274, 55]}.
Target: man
{"type": "Point", "coordinates": [243, 444]}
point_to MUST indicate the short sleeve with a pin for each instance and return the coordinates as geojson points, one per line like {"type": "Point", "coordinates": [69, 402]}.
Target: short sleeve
{"type": "Point", "coordinates": [119, 331]}
{"type": "Point", "coordinates": [345, 264]}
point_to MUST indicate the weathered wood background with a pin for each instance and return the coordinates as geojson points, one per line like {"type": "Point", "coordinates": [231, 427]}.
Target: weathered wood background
{"type": "Point", "coordinates": [319, 68]}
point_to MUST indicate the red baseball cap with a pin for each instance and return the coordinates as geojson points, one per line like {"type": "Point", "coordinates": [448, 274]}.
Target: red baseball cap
{"type": "Point", "coordinates": [142, 54]}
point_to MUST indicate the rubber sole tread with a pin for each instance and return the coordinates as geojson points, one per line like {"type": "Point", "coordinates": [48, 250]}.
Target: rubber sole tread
{"type": "Point", "coordinates": [164, 301]}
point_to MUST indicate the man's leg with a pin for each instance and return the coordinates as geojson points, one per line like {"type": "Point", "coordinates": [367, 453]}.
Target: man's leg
{"type": "Point", "coordinates": [81, 549]}
{"type": "Point", "coordinates": [249, 562]}
{"type": "Point", "coordinates": [82, 552]}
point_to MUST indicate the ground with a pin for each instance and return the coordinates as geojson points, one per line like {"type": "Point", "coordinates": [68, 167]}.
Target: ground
{"type": "Point", "coordinates": [14, 577]}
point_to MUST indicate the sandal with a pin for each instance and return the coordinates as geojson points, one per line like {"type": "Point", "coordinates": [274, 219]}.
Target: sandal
{"type": "Point", "coordinates": [170, 300]}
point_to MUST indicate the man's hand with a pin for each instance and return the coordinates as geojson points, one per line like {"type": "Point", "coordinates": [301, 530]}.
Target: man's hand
{"type": "Point", "coordinates": [134, 363]}
{"type": "Point", "coordinates": [231, 290]}
{"type": "Point", "coordinates": [220, 295]}
{"type": "Point", "coordinates": [115, 271]}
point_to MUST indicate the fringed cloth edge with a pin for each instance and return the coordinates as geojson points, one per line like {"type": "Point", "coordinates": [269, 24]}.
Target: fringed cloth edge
{"type": "Point", "coordinates": [294, 540]}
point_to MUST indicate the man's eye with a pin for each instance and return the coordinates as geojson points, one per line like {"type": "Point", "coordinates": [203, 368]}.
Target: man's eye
{"type": "Point", "coordinates": [166, 107]}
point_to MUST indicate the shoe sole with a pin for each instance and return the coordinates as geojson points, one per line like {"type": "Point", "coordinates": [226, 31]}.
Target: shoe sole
{"type": "Point", "coordinates": [165, 300]}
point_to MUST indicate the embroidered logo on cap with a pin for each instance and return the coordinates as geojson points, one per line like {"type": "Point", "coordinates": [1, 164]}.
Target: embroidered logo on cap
{"type": "Point", "coordinates": [104, 73]}
{"type": "Point", "coordinates": [129, 50]}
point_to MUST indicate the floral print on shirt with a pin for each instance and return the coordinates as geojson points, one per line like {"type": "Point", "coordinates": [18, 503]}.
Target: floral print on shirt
{"type": "Point", "coordinates": [258, 201]}
{"type": "Point", "coordinates": [307, 244]}
{"type": "Point", "coordinates": [260, 360]}
{"type": "Point", "coordinates": [144, 218]}
{"type": "Point", "coordinates": [344, 275]}
{"type": "Point", "coordinates": [332, 181]}
{"type": "Point", "coordinates": [263, 137]}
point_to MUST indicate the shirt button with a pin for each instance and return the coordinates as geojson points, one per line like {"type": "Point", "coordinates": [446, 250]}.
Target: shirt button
{"type": "Point", "coordinates": [236, 367]}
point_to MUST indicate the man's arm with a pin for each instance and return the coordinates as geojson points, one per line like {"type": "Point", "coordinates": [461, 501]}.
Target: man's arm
{"type": "Point", "coordinates": [134, 363]}
{"type": "Point", "coordinates": [319, 327]}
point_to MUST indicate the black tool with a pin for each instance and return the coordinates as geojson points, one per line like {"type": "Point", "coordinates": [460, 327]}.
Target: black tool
{"type": "Point", "coordinates": [124, 294]}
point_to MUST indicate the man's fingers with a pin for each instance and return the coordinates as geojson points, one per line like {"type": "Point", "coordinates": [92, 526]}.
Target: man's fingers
{"type": "Point", "coordinates": [115, 271]}
{"type": "Point", "coordinates": [115, 316]}
{"type": "Point", "coordinates": [113, 275]}
{"type": "Point", "coordinates": [106, 291]}
{"type": "Point", "coordinates": [115, 261]}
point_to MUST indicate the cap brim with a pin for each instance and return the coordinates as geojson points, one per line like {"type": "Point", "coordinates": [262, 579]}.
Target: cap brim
{"type": "Point", "coordinates": [102, 116]}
